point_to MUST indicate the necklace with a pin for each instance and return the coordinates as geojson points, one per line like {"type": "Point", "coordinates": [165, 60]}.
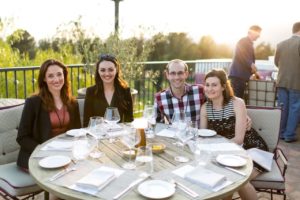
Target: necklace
{"type": "Point", "coordinates": [213, 113]}
{"type": "Point", "coordinates": [61, 122]}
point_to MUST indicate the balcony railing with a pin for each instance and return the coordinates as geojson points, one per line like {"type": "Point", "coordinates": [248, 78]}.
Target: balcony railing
{"type": "Point", "coordinates": [21, 82]}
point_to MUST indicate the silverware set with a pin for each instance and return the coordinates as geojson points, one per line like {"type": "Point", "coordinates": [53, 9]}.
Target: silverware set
{"type": "Point", "coordinates": [65, 171]}
{"type": "Point", "coordinates": [184, 188]}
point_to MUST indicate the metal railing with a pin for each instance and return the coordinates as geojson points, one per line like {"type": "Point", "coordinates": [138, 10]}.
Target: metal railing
{"type": "Point", "coordinates": [21, 82]}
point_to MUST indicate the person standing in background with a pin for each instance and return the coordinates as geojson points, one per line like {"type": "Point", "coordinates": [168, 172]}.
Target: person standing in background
{"type": "Point", "coordinates": [243, 64]}
{"type": "Point", "coordinates": [287, 59]}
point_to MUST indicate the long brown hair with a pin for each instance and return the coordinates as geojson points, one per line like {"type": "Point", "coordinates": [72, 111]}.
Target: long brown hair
{"type": "Point", "coordinates": [45, 94]}
{"type": "Point", "coordinates": [119, 82]}
{"type": "Point", "coordinates": [222, 76]}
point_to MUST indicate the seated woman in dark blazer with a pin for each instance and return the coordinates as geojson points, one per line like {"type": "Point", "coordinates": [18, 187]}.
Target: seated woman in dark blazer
{"type": "Point", "coordinates": [48, 113]}
{"type": "Point", "coordinates": [110, 90]}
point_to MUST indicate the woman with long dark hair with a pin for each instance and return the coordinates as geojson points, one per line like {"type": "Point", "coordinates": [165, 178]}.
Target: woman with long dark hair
{"type": "Point", "coordinates": [48, 113]}
{"type": "Point", "coordinates": [110, 90]}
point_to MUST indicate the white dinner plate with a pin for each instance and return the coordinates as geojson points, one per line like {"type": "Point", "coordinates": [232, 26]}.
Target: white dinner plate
{"type": "Point", "coordinates": [156, 189]}
{"type": "Point", "coordinates": [231, 160]}
{"type": "Point", "coordinates": [76, 132]}
{"type": "Point", "coordinates": [206, 133]}
{"type": "Point", "coordinates": [54, 161]}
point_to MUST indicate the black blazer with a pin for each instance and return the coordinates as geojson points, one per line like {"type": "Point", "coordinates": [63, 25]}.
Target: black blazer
{"type": "Point", "coordinates": [95, 104]}
{"type": "Point", "coordinates": [35, 127]}
{"type": "Point", "coordinates": [243, 58]}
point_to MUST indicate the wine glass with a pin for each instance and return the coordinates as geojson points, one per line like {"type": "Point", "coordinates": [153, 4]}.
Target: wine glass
{"type": "Point", "coordinates": [111, 117]}
{"type": "Point", "coordinates": [94, 127]}
{"type": "Point", "coordinates": [130, 140]}
{"type": "Point", "coordinates": [150, 115]}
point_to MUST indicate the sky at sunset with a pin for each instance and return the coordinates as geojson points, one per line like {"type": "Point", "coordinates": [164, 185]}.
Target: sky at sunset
{"type": "Point", "coordinates": [225, 20]}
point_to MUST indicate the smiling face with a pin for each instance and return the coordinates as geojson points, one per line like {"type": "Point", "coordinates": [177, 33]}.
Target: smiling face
{"type": "Point", "coordinates": [213, 88]}
{"type": "Point", "coordinates": [177, 75]}
{"type": "Point", "coordinates": [107, 72]}
{"type": "Point", "coordinates": [54, 78]}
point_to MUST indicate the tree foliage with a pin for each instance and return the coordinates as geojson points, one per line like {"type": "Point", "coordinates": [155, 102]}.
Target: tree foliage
{"type": "Point", "coordinates": [263, 51]}
{"type": "Point", "coordinates": [22, 41]}
{"type": "Point", "coordinates": [73, 44]}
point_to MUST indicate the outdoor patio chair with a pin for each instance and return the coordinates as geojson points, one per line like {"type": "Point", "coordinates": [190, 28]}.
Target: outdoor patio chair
{"type": "Point", "coordinates": [14, 183]}
{"type": "Point", "coordinates": [266, 120]}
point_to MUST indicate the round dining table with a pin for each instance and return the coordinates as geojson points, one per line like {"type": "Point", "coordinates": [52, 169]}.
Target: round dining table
{"type": "Point", "coordinates": [163, 162]}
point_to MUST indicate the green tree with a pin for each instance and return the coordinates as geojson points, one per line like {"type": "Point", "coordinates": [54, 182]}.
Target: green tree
{"type": "Point", "coordinates": [180, 46]}
{"type": "Point", "coordinates": [263, 51]}
{"type": "Point", "coordinates": [223, 51]}
{"type": "Point", "coordinates": [8, 57]}
{"type": "Point", "coordinates": [23, 42]}
{"type": "Point", "coordinates": [207, 47]}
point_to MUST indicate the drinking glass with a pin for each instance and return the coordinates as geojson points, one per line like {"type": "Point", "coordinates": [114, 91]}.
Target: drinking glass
{"type": "Point", "coordinates": [111, 117]}
{"type": "Point", "coordinates": [144, 159]}
{"type": "Point", "coordinates": [200, 156]}
{"type": "Point", "coordinates": [180, 124]}
{"type": "Point", "coordinates": [95, 128]}
{"type": "Point", "coordinates": [81, 149]}
{"type": "Point", "coordinates": [130, 140]}
{"type": "Point", "coordinates": [193, 129]}
{"type": "Point", "coordinates": [150, 115]}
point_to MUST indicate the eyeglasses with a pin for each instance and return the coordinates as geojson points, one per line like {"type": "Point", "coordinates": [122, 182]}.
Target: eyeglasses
{"type": "Point", "coordinates": [180, 73]}
{"type": "Point", "coordinates": [107, 57]}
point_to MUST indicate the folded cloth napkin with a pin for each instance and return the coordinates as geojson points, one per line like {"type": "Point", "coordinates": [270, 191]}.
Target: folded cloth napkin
{"type": "Point", "coordinates": [96, 180]}
{"type": "Point", "coordinates": [205, 177]}
{"type": "Point", "coordinates": [63, 145]}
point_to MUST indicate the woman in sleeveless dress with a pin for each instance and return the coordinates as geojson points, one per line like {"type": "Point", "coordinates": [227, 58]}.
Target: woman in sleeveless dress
{"type": "Point", "coordinates": [227, 115]}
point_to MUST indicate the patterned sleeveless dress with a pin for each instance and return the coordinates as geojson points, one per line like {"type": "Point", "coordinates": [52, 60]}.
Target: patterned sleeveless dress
{"type": "Point", "coordinates": [223, 122]}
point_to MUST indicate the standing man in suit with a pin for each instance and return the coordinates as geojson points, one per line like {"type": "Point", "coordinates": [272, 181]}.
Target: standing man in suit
{"type": "Point", "coordinates": [287, 59]}
{"type": "Point", "coordinates": [243, 64]}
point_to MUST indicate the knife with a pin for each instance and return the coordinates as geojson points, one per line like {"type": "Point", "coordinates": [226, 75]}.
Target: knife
{"type": "Point", "coordinates": [229, 168]}
{"type": "Point", "coordinates": [185, 189]}
{"type": "Point", "coordinates": [61, 173]}
{"type": "Point", "coordinates": [236, 171]}
{"type": "Point", "coordinates": [134, 183]}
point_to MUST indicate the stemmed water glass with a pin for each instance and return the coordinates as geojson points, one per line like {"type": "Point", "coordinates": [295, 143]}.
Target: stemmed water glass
{"type": "Point", "coordinates": [94, 128]}
{"type": "Point", "coordinates": [130, 140]}
{"type": "Point", "coordinates": [150, 115]}
{"type": "Point", "coordinates": [111, 117]}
